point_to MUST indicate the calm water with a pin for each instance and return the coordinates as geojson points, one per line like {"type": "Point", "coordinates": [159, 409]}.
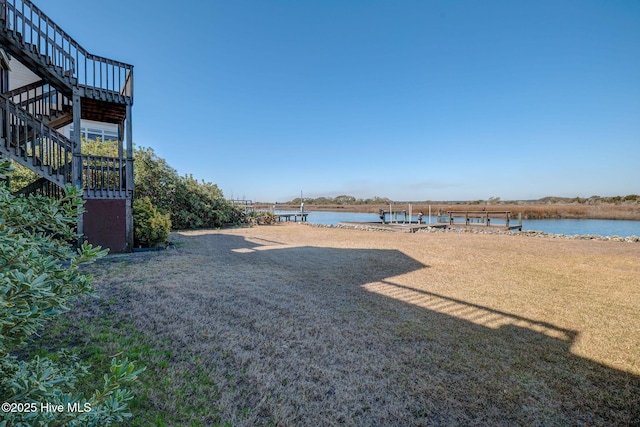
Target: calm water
{"type": "Point", "coordinates": [600, 227]}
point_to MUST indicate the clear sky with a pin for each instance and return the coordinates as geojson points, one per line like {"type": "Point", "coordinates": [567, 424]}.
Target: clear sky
{"type": "Point", "coordinates": [411, 100]}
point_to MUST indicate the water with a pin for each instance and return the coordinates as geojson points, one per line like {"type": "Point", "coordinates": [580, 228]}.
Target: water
{"type": "Point", "coordinates": [601, 227]}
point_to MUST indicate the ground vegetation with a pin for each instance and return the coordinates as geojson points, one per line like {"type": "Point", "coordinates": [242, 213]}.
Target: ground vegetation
{"type": "Point", "coordinates": [290, 324]}
{"type": "Point", "coordinates": [39, 278]}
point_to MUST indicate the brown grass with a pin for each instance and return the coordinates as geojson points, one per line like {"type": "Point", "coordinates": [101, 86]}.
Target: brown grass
{"type": "Point", "coordinates": [297, 325]}
{"type": "Point", "coordinates": [626, 211]}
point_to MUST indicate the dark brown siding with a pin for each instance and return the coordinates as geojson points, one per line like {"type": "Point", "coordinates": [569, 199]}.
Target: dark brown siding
{"type": "Point", "coordinates": [105, 224]}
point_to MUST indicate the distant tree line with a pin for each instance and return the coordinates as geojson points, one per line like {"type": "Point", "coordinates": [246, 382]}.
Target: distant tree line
{"type": "Point", "coordinates": [340, 200]}
{"type": "Point", "coordinates": [593, 200]}
{"type": "Point", "coordinates": [351, 200]}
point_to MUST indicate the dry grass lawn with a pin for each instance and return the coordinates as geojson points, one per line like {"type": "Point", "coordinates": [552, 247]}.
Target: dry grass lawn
{"type": "Point", "coordinates": [297, 325]}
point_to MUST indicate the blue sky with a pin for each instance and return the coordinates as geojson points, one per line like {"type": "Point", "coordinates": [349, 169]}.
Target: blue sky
{"type": "Point", "coordinates": [411, 100]}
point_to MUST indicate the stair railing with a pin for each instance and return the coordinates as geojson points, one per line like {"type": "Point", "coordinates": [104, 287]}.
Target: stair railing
{"type": "Point", "coordinates": [101, 77]}
{"type": "Point", "coordinates": [41, 99]}
{"type": "Point", "coordinates": [44, 187]}
{"type": "Point", "coordinates": [34, 144]}
{"type": "Point", "coordinates": [105, 177]}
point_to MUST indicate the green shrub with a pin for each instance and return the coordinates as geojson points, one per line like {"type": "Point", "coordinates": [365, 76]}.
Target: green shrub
{"type": "Point", "coordinates": [261, 217]}
{"type": "Point", "coordinates": [150, 226]}
{"type": "Point", "coordinates": [191, 204]}
{"type": "Point", "coordinates": [39, 278]}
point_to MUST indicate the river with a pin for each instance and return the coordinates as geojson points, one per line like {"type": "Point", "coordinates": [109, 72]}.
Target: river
{"type": "Point", "coordinates": [601, 227]}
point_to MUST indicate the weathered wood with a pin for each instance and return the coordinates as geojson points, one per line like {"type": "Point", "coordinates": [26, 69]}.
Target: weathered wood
{"type": "Point", "coordinates": [80, 86]}
{"type": "Point", "coordinates": [52, 51]}
{"type": "Point", "coordinates": [295, 216]}
{"type": "Point", "coordinates": [485, 216]}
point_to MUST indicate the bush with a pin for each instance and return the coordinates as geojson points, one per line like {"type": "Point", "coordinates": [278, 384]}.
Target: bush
{"type": "Point", "coordinates": [191, 204]}
{"type": "Point", "coordinates": [261, 218]}
{"type": "Point", "coordinates": [39, 278]}
{"type": "Point", "coordinates": [150, 227]}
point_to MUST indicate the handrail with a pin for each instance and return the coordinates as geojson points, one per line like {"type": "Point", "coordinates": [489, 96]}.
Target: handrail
{"type": "Point", "coordinates": [41, 148]}
{"type": "Point", "coordinates": [27, 22]}
{"type": "Point", "coordinates": [44, 187]}
{"type": "Point", "coordinates": [104, 176]}
{"type": "Point", "coordinates": [485, 216]}
{"type": "Point", "coordinates": [34, 143]}
{"type": "Point", "coordinates": [40, 99]}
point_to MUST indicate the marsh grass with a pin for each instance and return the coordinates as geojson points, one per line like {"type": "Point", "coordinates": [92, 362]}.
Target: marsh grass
{"type": "Point", "coordinates": [293, 325]}
{"type": "Point", "coordinates": [624, 211]}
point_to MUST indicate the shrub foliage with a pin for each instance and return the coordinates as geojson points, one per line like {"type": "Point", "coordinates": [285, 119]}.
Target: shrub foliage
{"type": "Point", "coordinates": [39, 278]}
{"type": "Point", "coordinates": [151, 227]}
{"type": "Point", "coordinates": [190, 203]}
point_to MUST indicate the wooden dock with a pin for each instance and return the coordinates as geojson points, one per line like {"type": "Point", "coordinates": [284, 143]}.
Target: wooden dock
{"type": "Point", "coordinates": [292, 216]}
{"type": "Point", "coordinates": [494, 220]}
{"type": "Point", "coordinates": [482, 219]}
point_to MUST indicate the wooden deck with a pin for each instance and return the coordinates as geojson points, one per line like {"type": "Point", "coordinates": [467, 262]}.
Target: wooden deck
{"type": "Point", "coordinates": [482, 219]}
{"type": "Point", "coordinates": [294, 216]}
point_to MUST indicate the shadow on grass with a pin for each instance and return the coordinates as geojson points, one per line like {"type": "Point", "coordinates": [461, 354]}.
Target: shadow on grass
{"type": "Point", "coordinates": [305, 335]}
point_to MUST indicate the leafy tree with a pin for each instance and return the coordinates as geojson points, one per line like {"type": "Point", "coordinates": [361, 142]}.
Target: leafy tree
{"type": "Point", "coordinates": [378, 201]}
{"type": "Point", "coordinates": [155, 179]}
{"type": "Point", "coordinates": [98, 147]}
{"type": "Point", "coordinates": [39, 278]}
{"type": "Point", "coordinates": [21, 177]}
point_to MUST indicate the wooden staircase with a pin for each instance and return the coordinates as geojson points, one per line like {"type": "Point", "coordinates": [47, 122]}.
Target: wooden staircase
{"type": "Point", "coordinates": [40, 44]}
{"type": "Point", "coordinates": [32, 143]}
{"type": "Point", "coordinates": [44, 102]}
{"type": "Point", "coordinates": [72, 85]}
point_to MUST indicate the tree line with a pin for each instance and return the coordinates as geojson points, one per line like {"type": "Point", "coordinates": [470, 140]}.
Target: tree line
{"type": "Point", "coordinates": [351, 200]}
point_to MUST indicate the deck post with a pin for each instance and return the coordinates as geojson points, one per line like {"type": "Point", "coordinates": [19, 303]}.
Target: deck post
{"type": "Point", "coordinates": [129, 181]}
{"type": "Point", "coordinates": [129, 136]}
{"type": "Point", "coordinates": [76, 163]}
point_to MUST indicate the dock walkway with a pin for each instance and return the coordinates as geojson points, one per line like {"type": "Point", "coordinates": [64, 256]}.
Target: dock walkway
{"type": "Point", "coordinates": [294, 216]}
{"type": "Point", "coordinates": [482, 219]}
{"type": "Point", "coordinates": [452, 220]}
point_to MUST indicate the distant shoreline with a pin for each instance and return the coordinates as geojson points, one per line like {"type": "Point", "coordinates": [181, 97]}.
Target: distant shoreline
{"type": "Point", "coordinates": [622, 211]}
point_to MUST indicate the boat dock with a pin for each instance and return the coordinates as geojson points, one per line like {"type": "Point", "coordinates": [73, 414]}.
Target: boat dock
{"type": "Point", "coordinates": [292, 216]}
{"type": "Point", "coordinates": [482, 219]}
{"type": "Point", "coordinates": [502, 220]}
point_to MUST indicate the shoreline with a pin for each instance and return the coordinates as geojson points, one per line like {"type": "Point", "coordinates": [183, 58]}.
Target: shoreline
{"type": "Point", "coordinates": [623, 211]}
{"type": "Point", "coordinates": [526, 233]}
